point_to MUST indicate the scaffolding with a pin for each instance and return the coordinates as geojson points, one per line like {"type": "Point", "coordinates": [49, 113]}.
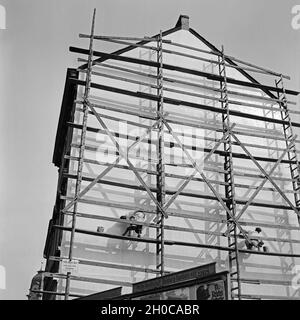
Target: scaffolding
{"type": "Point", "coordinates": [177, 96]}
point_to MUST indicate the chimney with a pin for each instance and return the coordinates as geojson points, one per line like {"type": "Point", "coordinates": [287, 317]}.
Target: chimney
{"type": "Point", "coordinates": [183, 22]}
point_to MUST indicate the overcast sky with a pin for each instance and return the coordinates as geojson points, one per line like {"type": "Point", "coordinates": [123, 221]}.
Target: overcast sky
{"type": "Point", "coordinates": [33, 61]}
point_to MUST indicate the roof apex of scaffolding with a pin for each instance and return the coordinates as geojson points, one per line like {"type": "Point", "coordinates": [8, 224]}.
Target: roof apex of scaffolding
{"type": "Point", "coordinates": [183, 22]}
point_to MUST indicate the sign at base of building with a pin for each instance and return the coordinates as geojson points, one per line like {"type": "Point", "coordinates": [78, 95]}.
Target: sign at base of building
{"type": "Point", "coordinates": [198, 283]}
{"type": "Point", "coordinates": [68, 266]}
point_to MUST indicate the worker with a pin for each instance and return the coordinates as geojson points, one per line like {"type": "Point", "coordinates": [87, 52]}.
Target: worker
{"type": "Point", "coordinates": [138, 217]}
{"type": "Point", "coordinates": [253, 243]}
{"type": "Point", "coordinates": [130, 227]}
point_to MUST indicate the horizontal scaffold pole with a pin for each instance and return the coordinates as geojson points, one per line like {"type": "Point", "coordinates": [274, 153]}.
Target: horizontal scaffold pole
{"type": "Point", "coordinates": [173, 228]}
{"type": "Point", "coordinates": [176, 243]}
{"type": "Point", "coordinates": [207, 75]}
{"type": "Point", "coordinates": [171, 175]}
{"type": "Point", "coordinates": [186, 194]}
{"type": "Point", "coordinates": [252, 132]}
{"type": "Point", "coordinates": [206, 150]}
{"type": "Point", "coordinates": [143, 41]}
{"type": "Point", "coordinates": [176, 102]}
{"type": "Point", "coordinates": [205, 138]}
{"type": "Point", "coordinates": [182, 214]}
{"type": "Point", "coordinates": [109, 265]}
{"type": "Point", "coordinates": [196, 85]}
{"type": "Point", "coordinates": [203, 96]}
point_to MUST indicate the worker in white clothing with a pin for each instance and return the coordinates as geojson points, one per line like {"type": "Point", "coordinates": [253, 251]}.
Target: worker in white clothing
{"type": "Point", "coordinates": [253, 242]}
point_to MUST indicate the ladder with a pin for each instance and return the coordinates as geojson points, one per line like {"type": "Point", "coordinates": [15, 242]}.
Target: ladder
{"type": "Point", "coordinates": [234, 268]}
{"type": "Point", "coordinates": [280, 219]}
{"type": "Point", "coordinates": [289, 135]}
{"type": "Point", "coordinates": [161, 164]}
{"type": "Point", "coordinates": [82, 150]}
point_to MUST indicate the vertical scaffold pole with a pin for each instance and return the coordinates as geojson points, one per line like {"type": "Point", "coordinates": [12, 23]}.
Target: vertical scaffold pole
{"type": "Point", "coordinates": [289, 135]}
{"type": "Point", "coordinates": [234, 267]}
{"type": "Point", "coordinates": [82, 147]}
{"type": "Point", "coordinates": [161, 163]}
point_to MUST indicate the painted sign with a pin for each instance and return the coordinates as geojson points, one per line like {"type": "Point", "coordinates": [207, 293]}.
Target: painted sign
{"type": "Point", "coordinates": [69, 266]}
{"type": "Point", "coordinates": [214, 290]}
{"type": "Point", "coordinates": [176, 277]}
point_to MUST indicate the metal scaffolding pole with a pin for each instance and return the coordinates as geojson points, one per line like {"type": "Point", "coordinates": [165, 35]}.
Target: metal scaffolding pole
{"type": "Point", "coordinates": [234, 269]}
{"type": "Point", "coordinates": [161, 162]}
{"type": "Point", "coordinates": [82, 148]}
{"type": "Point", "coordinates": [289, 137]}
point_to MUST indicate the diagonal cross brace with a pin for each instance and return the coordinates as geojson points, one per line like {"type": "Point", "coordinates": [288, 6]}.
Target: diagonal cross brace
{"type": "Point", "coordinates": [205, 158]}
{"type": "Point", "coordinates": [217, 195]}
{"type": "Point", "coordinates": [263, 182]}
{"type": "Point", "coordinates": [108, 169]}
{"type": "Point", "coordinates": [266, 174]}
{"type": "Point", "coordinates": [259, 188]}
{"type": "Point", "coordinates": [127, 159]}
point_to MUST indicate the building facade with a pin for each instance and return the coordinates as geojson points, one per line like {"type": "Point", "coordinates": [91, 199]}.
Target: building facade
{"type": "Point", "coordinates": [172, 155]}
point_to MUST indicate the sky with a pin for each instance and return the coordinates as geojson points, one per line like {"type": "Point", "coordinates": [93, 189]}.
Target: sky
{"type": "Point", "coordinates": [33, 61]}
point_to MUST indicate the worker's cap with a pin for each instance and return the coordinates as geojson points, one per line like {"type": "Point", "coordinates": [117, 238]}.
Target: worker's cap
{"type": "Point", "coordinates": [258, 229]}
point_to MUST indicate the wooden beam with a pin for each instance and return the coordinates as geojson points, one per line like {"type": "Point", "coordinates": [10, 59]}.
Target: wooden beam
{"type": "Point", "coordinates": [176, 102]}
{"type": "Point", "coordinates": [173, 228]}
{"type": "Point", "coordinates": [109, 265]}
{"type": "Point", "coordinates": [175, 243]}
{"type": "Point", "coordinates": [197, 85]}
{"type": "Point", "coordinates": [182, 214]}
{"type": "Point", "coordinates": [171, 175]}
{"type": "Point", "coordinates": [185, 194]}
{"type": "Point", "coordinates": [209, 76]}
{"type": "Point", "coordinates": [176, 120]}
{"type": "Point", "coordinates": [206, 150]}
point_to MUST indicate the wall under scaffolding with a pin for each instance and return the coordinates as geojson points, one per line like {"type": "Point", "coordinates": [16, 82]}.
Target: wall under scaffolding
{"type": "Point", "coordinates": [173, 131]}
